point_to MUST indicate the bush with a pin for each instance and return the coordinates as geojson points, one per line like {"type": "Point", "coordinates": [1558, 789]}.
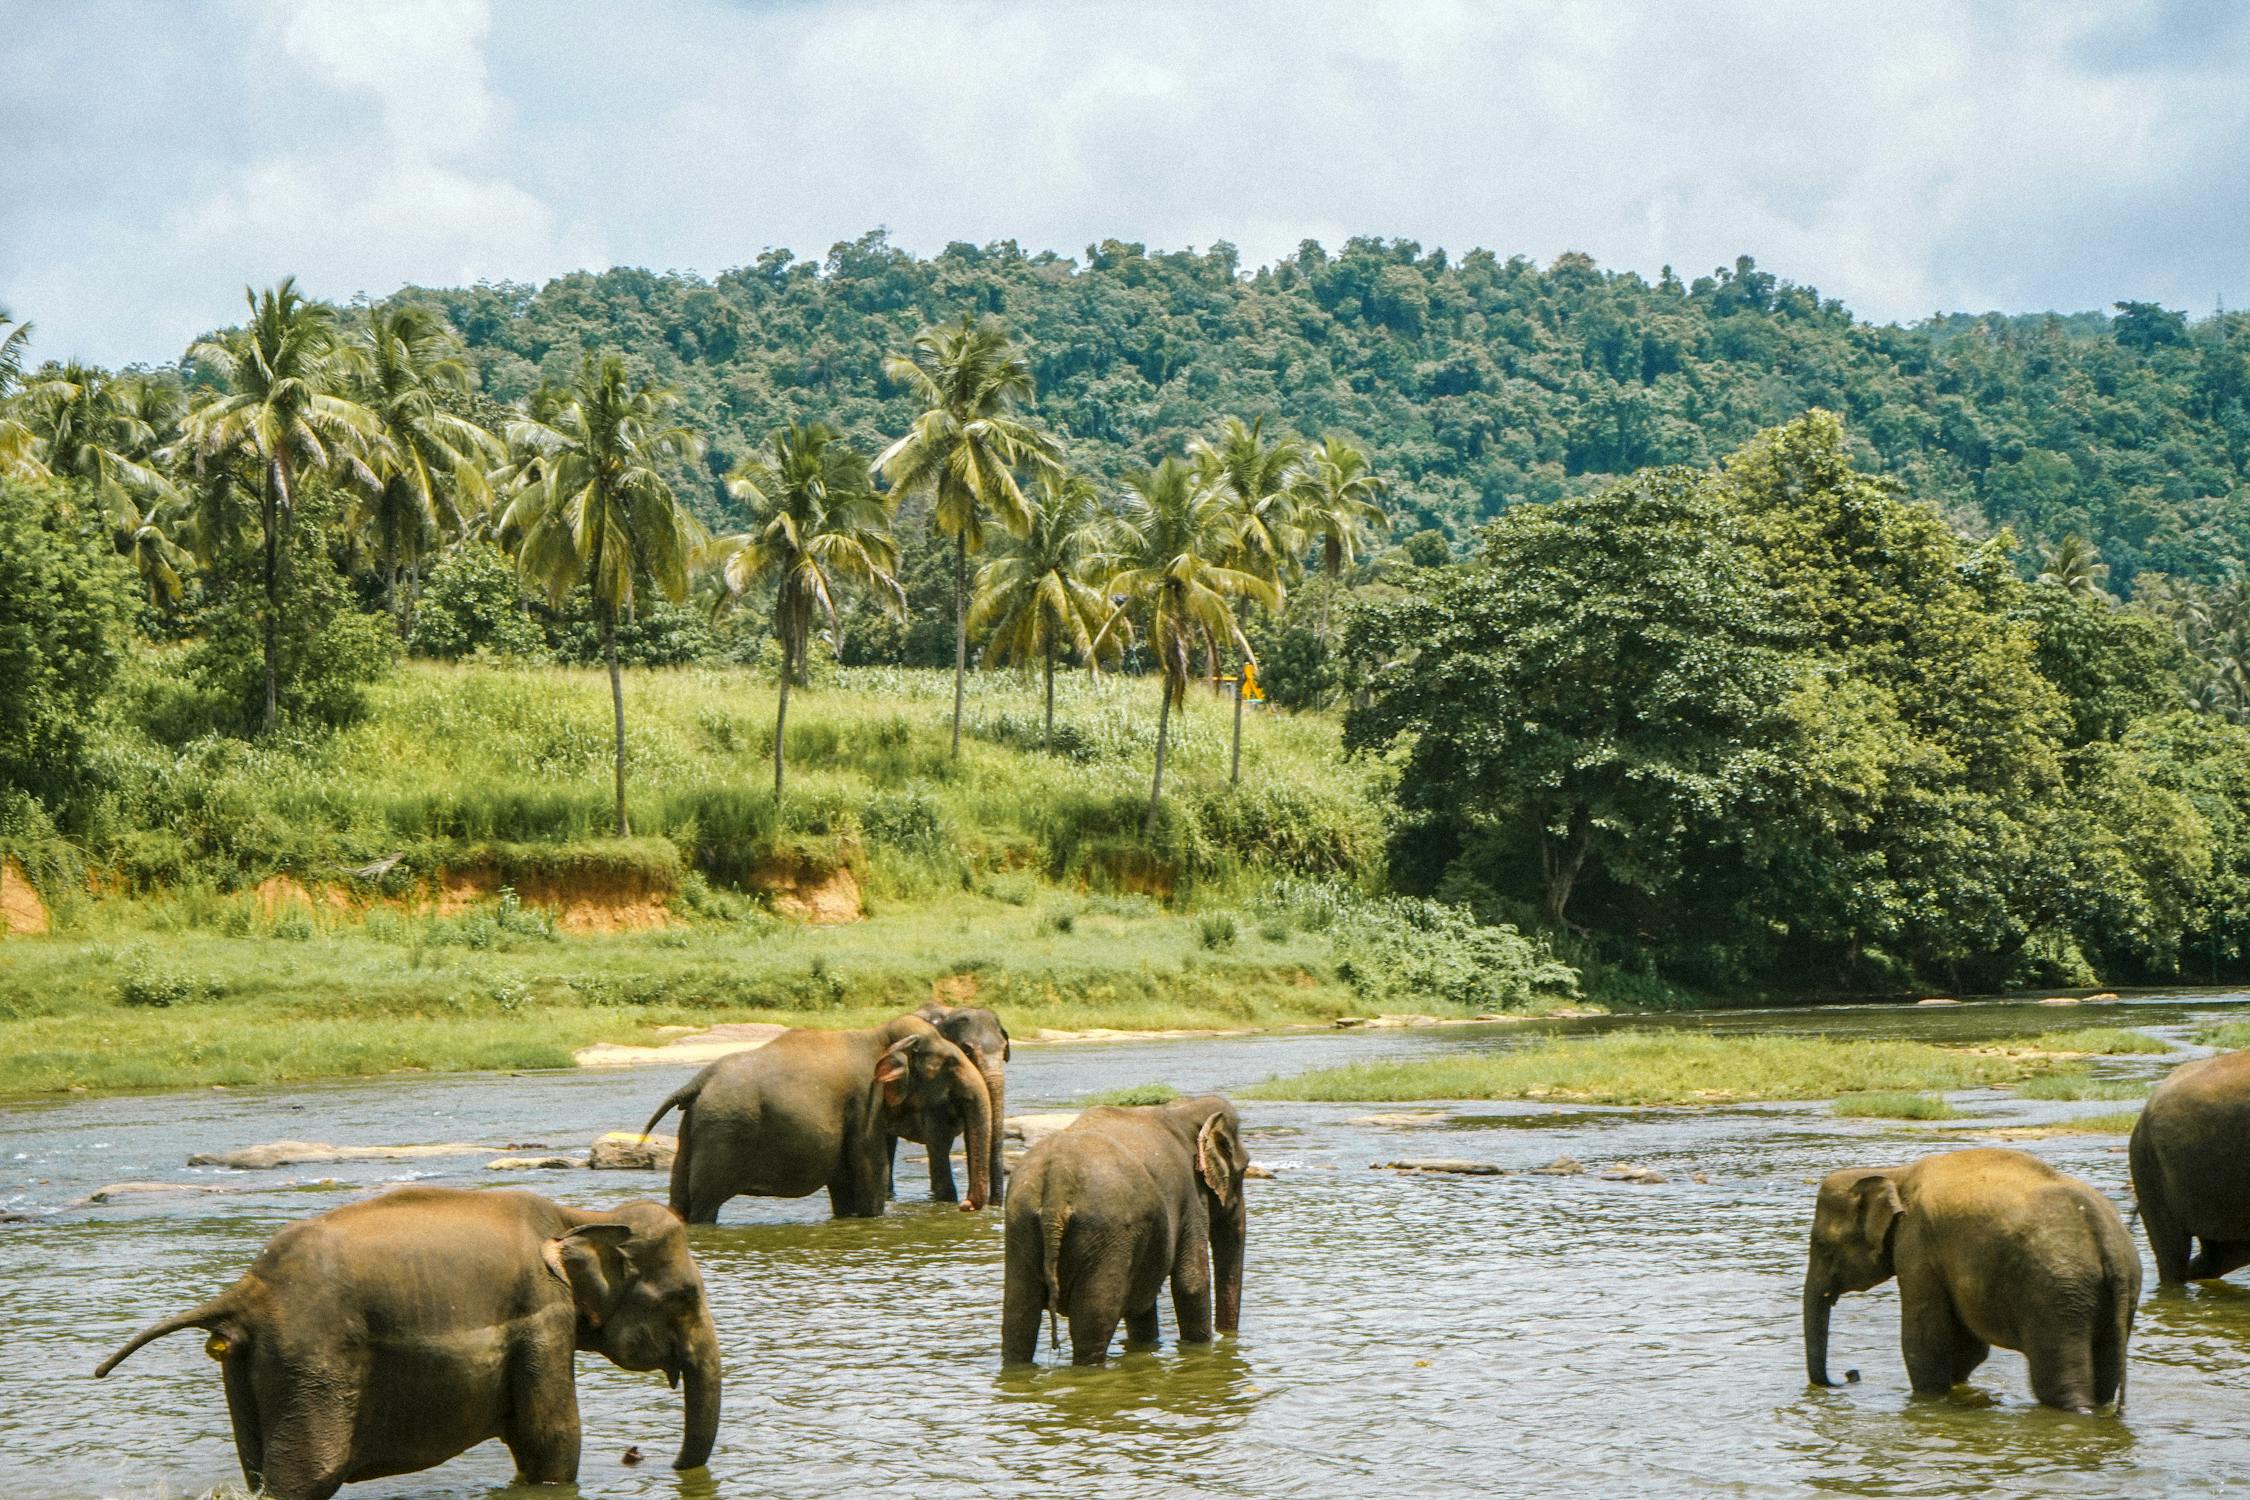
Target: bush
{"type": "Point", "coordinates": [1217, 929]}
{"type": "Point", "coordinates": [150, 985]}
{"type": "Point", "coordinates": [473, 603]}
{"type": "Point", "coordinates": [1410, 952]}
{"type": "Point", "coordinates": [1139, 1093]}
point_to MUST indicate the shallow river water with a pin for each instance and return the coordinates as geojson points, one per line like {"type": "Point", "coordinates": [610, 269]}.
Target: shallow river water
{"type": "Point", "coordinates": [1401, 1335]}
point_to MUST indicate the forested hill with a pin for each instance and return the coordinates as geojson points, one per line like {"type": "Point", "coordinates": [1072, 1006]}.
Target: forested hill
{"type": "Point", "coordinates": [1476, 383]}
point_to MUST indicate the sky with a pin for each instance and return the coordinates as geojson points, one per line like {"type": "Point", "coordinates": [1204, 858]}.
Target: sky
{"type": "Point", "coordinates": [157, 158]}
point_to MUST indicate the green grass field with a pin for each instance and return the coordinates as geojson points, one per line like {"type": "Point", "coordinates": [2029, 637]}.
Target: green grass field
{"type": "Point", "coordinates": [1650, 1068]}
{"type": "Point", "coordinates": [1017, 873]}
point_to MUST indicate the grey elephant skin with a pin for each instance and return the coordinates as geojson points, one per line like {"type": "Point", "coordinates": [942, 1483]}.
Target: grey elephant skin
{"type": "Point", "coordinates": [388, 1336]}
{"type": "Point", "coordinates": [818, 1109]}
{"type": "Point", "coordinates": [1989, 1247]}
{"type": "Point", "coordinates": [984, 1041]}
{"type": "Point", "coordinates": [2190, 1156]}
{"type": "Point", "coordinates": [1110, 1208]}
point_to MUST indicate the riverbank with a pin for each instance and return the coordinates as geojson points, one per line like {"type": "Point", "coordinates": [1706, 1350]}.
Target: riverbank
{"type": "Point", "coordinates": [126, 1000]}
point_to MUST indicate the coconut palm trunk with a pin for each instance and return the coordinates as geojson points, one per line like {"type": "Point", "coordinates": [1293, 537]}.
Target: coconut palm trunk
{"type": "Point", "coordinates": [1234, 775]}
{"type": "Point", "coordinates": [1047, 736]}
{"type": "Point", "coordinates": [276, 507]}
{"type": "Point", "coordinates": [1156, 787]}
{"type": "Point", "coordinates": [617, 710]}
{"type": "Point", "coordinates": [960, 630]}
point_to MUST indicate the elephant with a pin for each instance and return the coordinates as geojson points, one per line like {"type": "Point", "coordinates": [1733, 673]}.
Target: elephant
{"type": "Point", "coordinates": [1989, 1247]}
{"type": "Point", "coordinates": [813, 1109]}
{"type": "Point", "coordinates": [984, 1040]}
{"type": "Point", "coordinates": [2190, 1157]}
{"type": "Point", "coordinates": [390, 1335]}
{"type": "Point", "coordinates": [1110, 1207]}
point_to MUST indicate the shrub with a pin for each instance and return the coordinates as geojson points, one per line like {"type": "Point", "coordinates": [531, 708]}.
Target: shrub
{"type": "Point", "coordinates": [150, 985]}
{"type": "Point", "coordinates": [471, 603]}
{"type": "Point", "coordinates": [1139, 1093]}
{"type": "Point", "coordinates": [62, 609]}
{"type": "Point", "coordinates": [908, 820]}
{"type": "Point", "coordinates": [1217, 929]}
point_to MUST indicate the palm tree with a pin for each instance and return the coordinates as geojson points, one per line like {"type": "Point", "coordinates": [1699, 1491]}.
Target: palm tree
{"type": "Point", "coordinates": [965, 450]}
{"type": "Point", "coordinates": [595, 508]}
{"type": "Point", "coordinates": [283, 411]}
{"type": "Point", "coordinates": [1175, 539]}
{"type": "Point", "coordinates": [105, 432]}
{"type": "Point", "coordinates": [1260, 482]}
{"type": "Point", "coordinates": [1042, 592]}
{"type": "Point", "coordinates": [19, 447]}
{"type": "Point", "coordinates": [1338, 505]}
{"type": "Point", "coordinates": [2075, 566]}
{"type": "Point", "coordinates": [432, 475]}
{"type": "Point", "coordinates": [817, 524]}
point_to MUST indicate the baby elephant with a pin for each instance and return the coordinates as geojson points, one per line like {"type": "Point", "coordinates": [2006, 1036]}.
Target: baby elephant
{"type": "Point", "coordinates": [1103, 1212]}
{"type": "Point", "coordinates": [391, 1335]}
{"type": "Point", "coordinates": [1989, 1247]}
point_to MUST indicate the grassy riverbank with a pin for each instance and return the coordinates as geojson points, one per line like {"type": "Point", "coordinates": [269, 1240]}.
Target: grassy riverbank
{"type": "Point", "coordinates": [1650, 1068]}
{"type": "Point", "coordinates": [122, 1002]}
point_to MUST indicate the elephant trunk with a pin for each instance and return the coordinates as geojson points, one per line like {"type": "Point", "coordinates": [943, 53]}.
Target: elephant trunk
{"type": "Point", "coordinates": [996, 1089]}
{"type": "Point", "coordinates": [1818, 1301]}
{"type": "Point", "coordinates": [700, 1375]}
{"type": "Point", "coordinates": [975, 1105]}
{"type": "Point", "coordinates": [1227, 1230]}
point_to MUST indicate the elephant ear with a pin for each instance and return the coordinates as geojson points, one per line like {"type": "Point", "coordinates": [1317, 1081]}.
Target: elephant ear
{"type": "Point", "coordinates": [891, 1070]}
{"type": "Point", "coordinates": [576, 1260]}
{"type": "Point", "coordinates": [1878, 1206]}
{"type": "Point", "coordinates": [1216, 1152]}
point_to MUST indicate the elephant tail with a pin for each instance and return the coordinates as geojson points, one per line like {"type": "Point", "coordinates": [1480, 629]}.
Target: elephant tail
{"type": "Point", "coordinates": [216, 1314]}
{"type": "Point", "coordinates": [680, 1098]}
{"type": "Point", "coordinates": [1053, 1225]}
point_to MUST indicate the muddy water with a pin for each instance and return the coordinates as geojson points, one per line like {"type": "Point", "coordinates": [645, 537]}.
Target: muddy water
{"type": "Point", "coordinates": [1401, 1335]}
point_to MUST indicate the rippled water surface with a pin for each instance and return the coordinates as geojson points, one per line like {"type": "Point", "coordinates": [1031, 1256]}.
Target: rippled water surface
{"type": "Point", "coordinates": [1402, 1335]}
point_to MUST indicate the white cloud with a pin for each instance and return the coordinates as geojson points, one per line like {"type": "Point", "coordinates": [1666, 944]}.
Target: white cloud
{"type": "Point", "coordinates": [1919, 157]}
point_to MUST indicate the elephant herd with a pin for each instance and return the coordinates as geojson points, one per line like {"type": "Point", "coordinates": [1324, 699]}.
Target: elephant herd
{"type": "Point", "coordinates": [390, 1335]}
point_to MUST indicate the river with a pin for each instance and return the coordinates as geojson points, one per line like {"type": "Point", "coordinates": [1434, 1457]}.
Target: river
{"type": "Point", "coordinates": [1401, 1334]}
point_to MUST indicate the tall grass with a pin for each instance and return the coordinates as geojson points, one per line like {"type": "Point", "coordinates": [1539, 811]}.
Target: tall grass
{"type": "Point", "coordinates": [473, 754]}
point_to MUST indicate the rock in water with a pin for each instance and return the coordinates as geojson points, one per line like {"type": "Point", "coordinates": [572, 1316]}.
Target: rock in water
{"type": "Point", "coordinates": [1626, 1172]}
{"type": "Point", "coordinates": [630, 1151]}
{"type": "Point", "coordinates": [1562, 1166]}
{"type": "Point", "coordinates": [530, 1163]}
{"type": "Point", "coordinates": [295, 1153]}
{"type": "Point", "coordinates": [1451, 1164]}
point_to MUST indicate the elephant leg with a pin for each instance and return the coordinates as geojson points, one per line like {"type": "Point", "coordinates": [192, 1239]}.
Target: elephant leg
{"type": "Point", "coordinates": [1191, 1289]}
{"type": "Point", "coordinates": [543, 1433]}
{"type": "Point", "coordinates": [856, 1194]}
{"type": "Point", "coordinates": [242, 1412]}
{"type": "Point", "coordinates": [683, 1179]}
{"type": "Point", "coordinates": [1091, 1330]}
{"type": "Point", "coordinates": [1969, 1351]}
{"type": "Point", "coordinates": [309, 1441]}
{"type": "Point", "coordinates": [2062, 1370]}
{"type": "Point", "coordinates": [708, 1188]}
{"type": "Point", "coordinates": [2168, 1239]}
{"type": "Point", "coordinates": [890, 1168]}
{"type": "Point", "coordinates": [2217, 1257]}
{"type": "Point", "coordinates": [1022, 1305]}
{"type": "Point", "coordinates": [1931, 1337]}
{"type": "Point", "coordinates": [941, 1168]}
{"type": "Point", "coordinates": [1141, 1328]}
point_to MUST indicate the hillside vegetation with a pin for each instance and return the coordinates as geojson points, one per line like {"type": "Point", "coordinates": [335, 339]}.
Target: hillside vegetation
{"type": "Point", "coordinates": [1477, 381]}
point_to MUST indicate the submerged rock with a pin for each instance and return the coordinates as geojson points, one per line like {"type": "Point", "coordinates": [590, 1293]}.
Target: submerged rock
{"type": "Point", "coordinates": [1257, 1171]}
{"type": "Point", "coordinates": [1454, 1165]}
{"type": "Point", "coordinates": [1404, 1117]}
{"type": "Point", "coordinates": [1627, 1172]}
{"type": "Point", "coordinates": [630, 1151]}
{"type": "Point", "coordinates": [1562, 1166]}
{"type": "Point", "coordinates": [297, 1153]}
{"type": "Point", "coordinates": [530, 1163]}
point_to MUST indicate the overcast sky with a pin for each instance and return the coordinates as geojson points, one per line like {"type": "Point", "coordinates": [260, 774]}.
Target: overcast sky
{"type": "Point", "coordinates": [154, 158]}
